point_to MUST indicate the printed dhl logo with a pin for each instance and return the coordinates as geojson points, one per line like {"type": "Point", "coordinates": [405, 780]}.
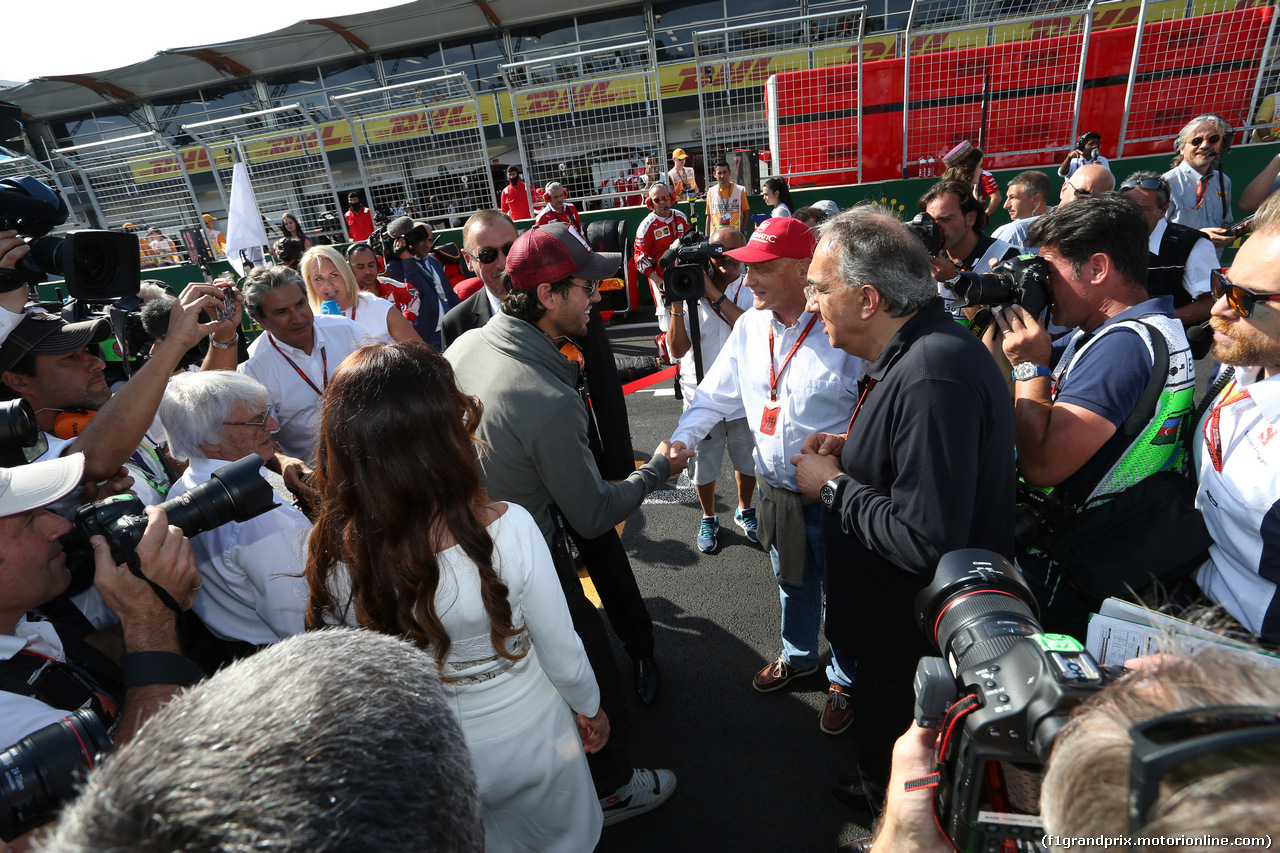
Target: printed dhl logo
{"type": "Point", "coordinates": [585, 96]}
{"type": "Point", "coordinates": [152, 169]}
{"type": "Point", "coordinates": [421, 123]}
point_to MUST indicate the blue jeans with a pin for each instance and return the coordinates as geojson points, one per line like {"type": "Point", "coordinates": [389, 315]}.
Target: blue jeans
{"type": "Point", "coordinates": [802, 606]}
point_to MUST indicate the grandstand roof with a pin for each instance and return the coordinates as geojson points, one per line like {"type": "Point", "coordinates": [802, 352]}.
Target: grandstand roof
{"type": "Point", "coordinates": [308, 42]}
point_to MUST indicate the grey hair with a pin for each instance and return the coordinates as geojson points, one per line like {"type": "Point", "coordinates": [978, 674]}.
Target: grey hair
{"type": "Point", "coordinates": [195, 405]}
{"type": "Point", "coordinates": [265, 279]}
{"type": "Point", "coordinates": [1086, 782]}
{"type": "Point", "coordinates": [328, 741]}
{"type": "Point", "coordinates": [1190, 127]}
{"type": "Point", "coordinates": [553, 187]}
{"type": "Point", "coordinates": [873, 247]}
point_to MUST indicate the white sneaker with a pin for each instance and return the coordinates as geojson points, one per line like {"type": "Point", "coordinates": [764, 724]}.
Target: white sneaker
{"type": "Point", "coordinates": [647, 790]}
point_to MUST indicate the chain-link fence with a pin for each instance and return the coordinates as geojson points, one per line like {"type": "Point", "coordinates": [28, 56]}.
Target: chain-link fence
{"type": "Point", "coordinates": [750, 72]}
{"type": "Point", "coordinates": [284, 153]}
{"type": "Point", "coordinates": [138, 179]}
{"type": "Point", "coordinates": [420, 145]}
{"type": "Point", "coordinates": [1183, 66]}
{"type": "Point", "coordinates": [588, 119]}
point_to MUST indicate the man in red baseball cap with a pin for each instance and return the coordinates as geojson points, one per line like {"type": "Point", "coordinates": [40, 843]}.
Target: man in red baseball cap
{"type": "Point", "coordinates": [535, 427]}
{"type": "Point", "coordinates": [779, 372]}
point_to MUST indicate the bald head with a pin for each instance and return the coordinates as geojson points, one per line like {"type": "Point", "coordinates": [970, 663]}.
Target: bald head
{"type": "Point", "coordinates": [1093, 179]}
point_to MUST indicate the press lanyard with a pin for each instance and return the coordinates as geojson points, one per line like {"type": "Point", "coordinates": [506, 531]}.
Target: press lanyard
{"type": "Point", "coordinates": [720, 314]}
{"type": "Point", "coordinates": [866, 389]}
{"type": "Point", "coordinates": [775, 374]}
{"type": "Point", "coordinates": [324, 361]}
{"type": "Point", "coordinates": [1212, 435]}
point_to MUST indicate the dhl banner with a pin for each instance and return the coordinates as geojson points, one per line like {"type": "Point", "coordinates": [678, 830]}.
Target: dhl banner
{"type": "Point", "coordinates": [555, 100]}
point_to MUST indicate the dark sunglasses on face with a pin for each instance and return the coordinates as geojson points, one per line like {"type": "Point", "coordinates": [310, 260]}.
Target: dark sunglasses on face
{"type": "Point", "coordinates": [489, 254]}
{"type": "Point", "coordinates": [1239, 300]}
{"type": "Point", "coordinates": [1212, 140]}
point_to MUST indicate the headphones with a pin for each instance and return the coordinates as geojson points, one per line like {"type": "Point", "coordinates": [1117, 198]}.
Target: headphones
{"type": "Point", "coordinates": [1085, 137]}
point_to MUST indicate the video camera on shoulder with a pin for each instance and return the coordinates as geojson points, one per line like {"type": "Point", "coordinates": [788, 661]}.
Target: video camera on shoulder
{"type": "Point", "coordinates": [1000, 694]}
{"type": "Point", "coordinates": [683, 266]}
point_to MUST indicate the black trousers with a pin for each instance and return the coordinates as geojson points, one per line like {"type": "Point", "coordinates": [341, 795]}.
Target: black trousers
{"type": "Point", "coordinates": [610, 571]}
{"type": "Point", "coordinates": [883, 707]}
{"type": "Point", "coordinates": [611, 766]}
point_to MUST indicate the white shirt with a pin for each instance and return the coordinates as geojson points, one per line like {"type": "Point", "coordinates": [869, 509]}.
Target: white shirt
{"type": "Point", "coordinates": [1202, 260]}
{"type": "Point", "coordinates": [714, 331]}
{"type": "Point", "coordinates": [295, 404]}
{"type": "Point", "coordinates": [9, 321]}
{"type": "Point", "coordinates": [1212, 212]}
{"type": "Point", "coordinates": [1241, 504]}
{"type": "Point", "coordinates": [371, 313]}
{"type": "Point", "coordinates": [1077, 162]}
{"type": "Point", "coordinates": [22, 715]}
{"type": "Point", "coordinates": [246, 592]}
{"type": "Point", "coordinates": [816, 392]}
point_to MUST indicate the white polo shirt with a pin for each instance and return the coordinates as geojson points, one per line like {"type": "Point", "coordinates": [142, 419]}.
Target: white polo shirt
{"type": "Point", "coordinates": [714, 330]}
{"type": "Point", "coordinates": [295, 401]}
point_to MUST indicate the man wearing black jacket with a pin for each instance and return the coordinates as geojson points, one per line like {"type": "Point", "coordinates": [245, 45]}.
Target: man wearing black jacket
{"type": "Point", "coordinates": [926, 466]}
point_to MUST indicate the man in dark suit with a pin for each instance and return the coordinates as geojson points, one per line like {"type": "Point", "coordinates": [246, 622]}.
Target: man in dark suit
{"type": "Point", "coordinates": [486, 238]}
{"type": "Point", "coordinates": [415, 266]}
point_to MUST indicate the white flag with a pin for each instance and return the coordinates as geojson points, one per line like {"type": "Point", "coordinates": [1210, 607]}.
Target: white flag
{"type": "Point", "coordinates": [244, 223]}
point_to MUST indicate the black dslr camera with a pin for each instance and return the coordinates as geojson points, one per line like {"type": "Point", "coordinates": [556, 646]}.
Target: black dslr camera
{"type": "Point", "coordinates": [683, 266]}
{"type": "Point", "coordinates": [927, 231]}
{"type": "Point", "coordinates": [21, 439]}
{"type": "Point", "coordinates": [1023, 280]}
{"type": "Point", "coordinates": [235, 492]}
{"type": "Point", "coordinates": [45, 769]}
{"type": "Point", "coordinates": [98, 266]}
{"type": "Point", "coordinates": [1000, 697]}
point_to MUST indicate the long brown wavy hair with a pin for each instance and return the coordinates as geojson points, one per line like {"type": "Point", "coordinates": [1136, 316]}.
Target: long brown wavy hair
{"type": "Point", "coordinates": [397, 474]}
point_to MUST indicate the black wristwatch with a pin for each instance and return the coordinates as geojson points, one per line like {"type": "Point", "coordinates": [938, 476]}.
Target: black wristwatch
{"type": "Point", "coordinates": [827, 494]}
{"type": "Point", "coordinates": [716, 303]}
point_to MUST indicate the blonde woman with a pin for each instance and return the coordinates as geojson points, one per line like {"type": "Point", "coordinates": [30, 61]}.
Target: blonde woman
{"type": "Point", "coordinates": [329, 277]}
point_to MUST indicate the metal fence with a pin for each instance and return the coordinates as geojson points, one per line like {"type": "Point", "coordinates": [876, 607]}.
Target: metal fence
{"type": "Point", "coordinates": [139, 179]}
{"type": "Point", "coordinates": [421, 145]}
{"type": "Point", "coordinates": [284, 153]}
{"type": "Point", "coordinates": [733, 67]}
{"type": "Point", "coordinates": [588, 119]}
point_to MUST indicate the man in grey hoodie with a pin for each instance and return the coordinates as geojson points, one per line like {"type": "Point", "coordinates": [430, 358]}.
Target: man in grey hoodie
{"type": "Point", "coordinates": [535, 428]}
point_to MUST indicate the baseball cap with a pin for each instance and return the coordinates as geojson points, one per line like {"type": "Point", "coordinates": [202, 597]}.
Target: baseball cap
{"type": "Point", "coordinates": [827, 206]}
{"type": "Point", "coordinates": [679, 152]}
{"type": "Point", "coordinates": [549, 253]}
{"type": "Point", "coordinates": [779, 237]}
{"type": "Point", "coordinates": [49, 334]}
{"type": "Point", "coordinates": [29, 487]}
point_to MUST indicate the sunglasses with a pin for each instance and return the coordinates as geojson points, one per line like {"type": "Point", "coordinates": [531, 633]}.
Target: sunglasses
{"type": "Point", "coordinates": [489, 254]}
{"type": "Point", "coordinates": [1212, 140]}
{"type": "Point", "coordinates": [1202, 742]}
{"type": "Point", "coordinates": [591, 289]}
{"type": "Point", "coordinates": [1142, 183]}
{"type": "Point", "coordinates": [1239, 300]}
{"type": "Point", "coordinates": [260, 423]}
{"type": "Point", "coordinates": [1079, 191]}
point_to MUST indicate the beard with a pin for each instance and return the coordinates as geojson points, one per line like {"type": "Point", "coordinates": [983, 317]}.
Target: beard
{"type": "Point", "coordinates": [1248, 347]}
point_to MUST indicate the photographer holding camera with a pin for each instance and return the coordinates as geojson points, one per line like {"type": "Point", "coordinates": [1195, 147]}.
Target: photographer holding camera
{"type": "Point", "coordinates": [724, 300]}
{"type": "Point", "coordinates": [1094, 416]}
{"type": "Point", "coordinates": [965, 246]}
{"type": "Point", "coordinates": [13, 300]}
{"type": "Point", "coordinates": [48, 669]}
{"type": "Point", "coordinates": [411, 261]}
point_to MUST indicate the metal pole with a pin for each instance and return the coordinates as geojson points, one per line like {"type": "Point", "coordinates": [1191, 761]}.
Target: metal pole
{"type": "Point", "coordinates": [1257, 83]}
{"type": "Point", "coordinates": [862, 27]}
{"type": "Point", "coordinates": [88, 187]}
{"type": "Point", "coordinates": [515, 119]}
{"type": "Point", "coordinates": [1086, 30]}
{"type": "Point", "coordinates": [358, 145]}
{"type": "Point", "coordinates": [1133, 78]}
{"type": "Point", "coordinates": [186, 178]}
{"type": "Point", "coordinates": [906, 82]}
{"type": "Point", "coordinates": [328, 173]}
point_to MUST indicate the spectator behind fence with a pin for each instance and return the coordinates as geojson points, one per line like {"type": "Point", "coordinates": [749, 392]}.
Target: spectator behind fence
{"type": "Point", "coordinates": [558, 209]}
{"type": "Point", "coordinates": [359, 219]}
{"type": "Point", "coordinates": [1095, 769]}
{"type": "Point", "coordinates": [253, 592]}
{"type": "Point", "coordinates": [1084, 153]}
{"type": "Point", "coordinates": [1027, 201]}
{"type": "Point", "coordinates": [291, 229]}
{"type": "Point", "coordinates": [777, 195]}
{"type": "Point", "coordinates": [1072, 397]}
{"type": "Point", "coordinates": [1238, 464]}
{"type": "Point", "coordinates": [514, 198]}
{"type": "Point", "coordinates": [327, 740]}
{"type": "Point", "coordinates": [406, 545]}
{"type": "Point", "coordinates": [1201, 188]}
{"type": "Point", "coordinates": [328, 277]}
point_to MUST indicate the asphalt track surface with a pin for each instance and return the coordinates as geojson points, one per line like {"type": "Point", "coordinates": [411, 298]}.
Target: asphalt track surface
{"type": "Point", "coordinates": [753, 770]}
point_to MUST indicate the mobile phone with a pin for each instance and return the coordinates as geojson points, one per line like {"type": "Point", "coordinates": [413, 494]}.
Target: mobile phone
{"type": "Point", "coordinates": [1239, 229]}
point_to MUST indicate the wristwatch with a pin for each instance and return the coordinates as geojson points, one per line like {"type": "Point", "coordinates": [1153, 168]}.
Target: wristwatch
{"type": "Point", "coordinates": [717, 303]}
{"type": "Point", "coordinates": [1027, 370]}
{"type": "Point", "coordinates": [827, 494]}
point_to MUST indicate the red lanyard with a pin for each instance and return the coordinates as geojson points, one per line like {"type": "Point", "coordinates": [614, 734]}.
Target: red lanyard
{"type": "Point", "coordinates": [734, 300]}
{"type": "Point", "coordinates": [774, 374]}
{"type": "Point", "coordinates": [865, 390]}
{"type": "Point", "coordinates": [1212, 435]}
{"type": "Point", "coordinates": [324, 361]}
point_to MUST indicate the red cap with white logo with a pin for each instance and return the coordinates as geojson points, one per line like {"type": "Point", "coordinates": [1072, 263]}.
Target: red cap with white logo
{"type": "Point", "coordinates": [779, 237]}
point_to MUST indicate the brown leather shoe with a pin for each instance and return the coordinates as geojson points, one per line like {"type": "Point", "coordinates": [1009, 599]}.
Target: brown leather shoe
{"type": "Point", "coordinates": [837, 714]}
{"type": "Point", "coordinates": [777, 674]}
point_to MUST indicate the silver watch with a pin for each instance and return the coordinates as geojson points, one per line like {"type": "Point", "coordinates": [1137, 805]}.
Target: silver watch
{"type": "Point", "coordinates": [827, 494]}
{"type": "Point", "coordinates": [1027, 370]}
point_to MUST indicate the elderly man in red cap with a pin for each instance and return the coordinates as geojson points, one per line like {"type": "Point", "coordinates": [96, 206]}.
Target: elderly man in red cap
{"type": "Point", "coordinates": [779, 371]}
{"type": "Point", "coordinates": [535, 427]}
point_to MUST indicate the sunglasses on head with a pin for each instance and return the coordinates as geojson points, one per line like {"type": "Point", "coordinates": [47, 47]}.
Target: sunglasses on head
{"type": "Point", "coordinates": [489, 254]}
{"type": "Point", "coordinates": [1239, 299]}
{"type": "Point", "coordinates": [1212, 140]}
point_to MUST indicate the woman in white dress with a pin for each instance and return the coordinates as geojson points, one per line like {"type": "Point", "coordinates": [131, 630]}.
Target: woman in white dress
{"type": "Point", "coordinates": [329, 277]}
{"type": "Point", "coordinates": [406, 543]}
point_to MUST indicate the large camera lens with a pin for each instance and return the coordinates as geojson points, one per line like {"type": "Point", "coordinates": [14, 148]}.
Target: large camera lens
{"type": "Point", "coordinates": [42, 771]}
{"type": "Point", "coordinates": [977, 607]}
{"type": "Point", "coordinates": [99, 266]}
{"type": "Point", "coordinates": [235, 492]}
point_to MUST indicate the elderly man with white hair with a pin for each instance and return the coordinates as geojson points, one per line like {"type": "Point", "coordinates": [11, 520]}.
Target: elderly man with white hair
{"type": "Point", "coordinates": [253, 591]}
